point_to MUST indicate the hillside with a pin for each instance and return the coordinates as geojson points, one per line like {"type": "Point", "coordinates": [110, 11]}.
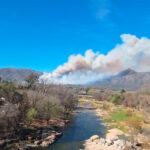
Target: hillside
{"type": "Point", "coordinates": [127, 79]}
{"type": "Point", "coordinates": [11, 74]}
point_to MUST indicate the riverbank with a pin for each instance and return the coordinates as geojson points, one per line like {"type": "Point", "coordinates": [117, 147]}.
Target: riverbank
{"type": "Point", "coordinates": [84, 124]}
{"type": "Point", "coordinates": [34, 114]}
{"type": "Point", "coordinates": [124, 124]}
{"type": "Point", "coordinates": [38, 134]}
{"type": "Point", "coordinates": [71, 132]}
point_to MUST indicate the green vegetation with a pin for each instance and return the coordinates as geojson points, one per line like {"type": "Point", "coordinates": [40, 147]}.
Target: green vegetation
{"type": "Point", "coordinates": [50, 109]}
{"type": "Point", "coordinates": [8, 90]}
{"type": "Point", "coordinates": [31, 79]}
{"type": "Point", "coordinates": [116, 99]}
{"type": "Point", "coordinates": [119, 115]}
{"type": "Point", "coordinates": [91, 91]}
{"type": "Point", "coordinates": [22, 106]}
{"type": "Point", "coordinates": [122, 91]}
{"type": "Point", "coordinates": [82, 102]}
{"type": "Point", "coordinates": [126, 110]}
{"type": "Point", "coordinates": [125, 122]}
{"type": "Point", "coordinates": [31, 114]}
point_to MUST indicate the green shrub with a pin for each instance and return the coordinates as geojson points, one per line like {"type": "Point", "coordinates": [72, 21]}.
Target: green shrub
{"type": "Point", "coordinates": [122, 91]}
{"type": "Point", "coordinates": [91, 91]}
{"type": "Point", "coordinates": [105, 106]}
{"type": "Point", "coordinates": [31, 79]}
{"type": "Point", "coordinates": [31, 114]}
{"type": "Point", "coordinates": [50, 110]}
{"type": "Point", "coordinates": [116, 99]}
{"type": "Point", "coordinates": [9, 91]}
{"type": "Point", "coordinates": [129, 112]}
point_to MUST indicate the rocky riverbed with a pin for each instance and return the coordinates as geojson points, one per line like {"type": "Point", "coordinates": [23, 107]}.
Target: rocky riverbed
{"type": "Point", "coordinates": [38, 135]}
{"type": "Point", "coordinates": [98, 143]}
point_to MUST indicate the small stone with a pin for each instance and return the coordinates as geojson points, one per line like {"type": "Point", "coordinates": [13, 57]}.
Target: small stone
{"type": "Point", "coordinates": [46, 143]}
{"type": "Point", "coordinates": [109, 142]}
{"type": "Point", "coordinates": [94, 137]}
{"type": "Point", "coordinates": [102, 141]}
{"type": "Point", "coordinates": [58, 134]}
{"type": "Point", "coordinates": [31, 145]}
{"type": "Point", "coordinates": [119, 144]}
{"type": "Point", "coordinates": [128, 144]}
{"type": "Point", "coordinates": [66, 121]}
{"type": "Point", "coordinates": [38, 142]}
{"type": "Point", "coordinates": [50, 138]}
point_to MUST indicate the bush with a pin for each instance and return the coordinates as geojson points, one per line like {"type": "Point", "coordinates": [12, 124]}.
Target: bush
{"type": "Point", "coordinates": [135, 127]}
{"type": "Point", "coordinates": [116, 99]}
{"type": "Point", "coordinates": [31, 79]}
{"type": "Point", "coordinates": [129, 112]}
{"type": "Point", "coordinates": [50, 109]}
{"type": "Point", "coordinates": [102, 95]}
{"type": "Point", "coordinates": [31, 114]}
{"type": "Point", "coordinates": [122, 91]}
{"type": "Point", "coordinates": [91, 91]}
{"type": "Point", "coordinates": [131, 100]}
{"type": "Point", "coordinates": [9, 91]}
{"type": "Point", "coordinates": [146, 144]}
{"type": "Point", "coordinates": [135, 123]}
{"type": "Point", "coordinates": [105, 106]}
{"type": "Point", "coordinates": [13, 108]}
{"type": "Point", "coordinates": [51, 101]}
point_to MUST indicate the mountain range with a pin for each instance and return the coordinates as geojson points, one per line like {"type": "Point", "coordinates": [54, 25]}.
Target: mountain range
{"type": "Point", "coordinates": [12, 74]}
{"type": "Point", "coordinates": [127, 79]}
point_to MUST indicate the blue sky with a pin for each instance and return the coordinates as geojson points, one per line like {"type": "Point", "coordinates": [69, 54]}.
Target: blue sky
{"type": "Point", "coordinates": [41, 34]}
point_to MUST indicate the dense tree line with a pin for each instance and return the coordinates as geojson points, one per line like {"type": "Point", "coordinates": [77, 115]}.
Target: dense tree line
{"type": "Point", "coordinates": [22, 104]}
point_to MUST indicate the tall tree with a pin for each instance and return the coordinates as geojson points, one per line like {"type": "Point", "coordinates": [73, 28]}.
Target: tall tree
{"type": "Point", "coordinates": [31, 79]}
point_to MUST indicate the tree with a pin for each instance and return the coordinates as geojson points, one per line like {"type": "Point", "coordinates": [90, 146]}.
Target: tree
{"type": "Point", "coordinates": [31, 114]}
{"type": "Point", "coordinates": [86, 90]}
{"type": "Point", "coordinates": [23, 108]}
{"type": "Point", "coordinates": [31, 79]}
{"type": "Point", "coordinates": [13, 113]}
{"type": "Point", "coordinates": [67, 100]}
{"type": "Point", "coordinates": [122, 91]}
{"type": "Point", "coordinates": [9, 91]}
{"type": "Point", "coordinates": [50, 109]}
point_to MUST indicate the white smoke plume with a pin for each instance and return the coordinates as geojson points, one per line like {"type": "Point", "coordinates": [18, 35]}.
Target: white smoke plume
{"type": "Point", "coordinates": [132, 53]}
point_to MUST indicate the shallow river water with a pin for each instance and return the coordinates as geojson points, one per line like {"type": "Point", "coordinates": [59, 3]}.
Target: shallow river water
{"type": "Point", "coordinates": [85, 124]}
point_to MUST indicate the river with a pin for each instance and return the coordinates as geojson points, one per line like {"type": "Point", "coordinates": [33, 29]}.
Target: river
{"type": "Point", "coordinates": [85, 124]}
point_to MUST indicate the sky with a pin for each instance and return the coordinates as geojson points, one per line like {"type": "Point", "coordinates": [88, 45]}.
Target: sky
{"type": "Point", "coordinates": [42, 34]}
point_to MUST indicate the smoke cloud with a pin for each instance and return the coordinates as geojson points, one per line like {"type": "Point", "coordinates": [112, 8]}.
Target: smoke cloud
{"type": "Point", "coordinates": [132, 53]}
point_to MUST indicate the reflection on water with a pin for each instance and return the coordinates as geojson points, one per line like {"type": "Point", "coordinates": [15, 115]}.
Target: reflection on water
{"type": "Point", "coordinates": [84, 125]}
